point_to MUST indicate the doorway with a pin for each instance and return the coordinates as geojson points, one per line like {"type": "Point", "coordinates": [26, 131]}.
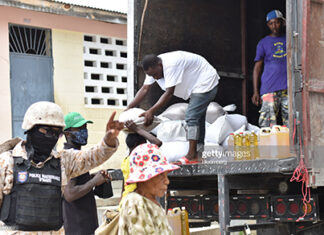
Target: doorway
{"type": "Point", "coordinates": [31, 71]}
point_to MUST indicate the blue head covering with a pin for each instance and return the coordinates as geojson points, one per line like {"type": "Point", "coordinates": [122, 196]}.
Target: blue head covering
{"type": "Point", "coordinates": [274, 14]}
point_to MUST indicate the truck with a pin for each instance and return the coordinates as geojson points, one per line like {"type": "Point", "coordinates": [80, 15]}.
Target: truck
{"type": "Point", "coordinates": [226, 34]}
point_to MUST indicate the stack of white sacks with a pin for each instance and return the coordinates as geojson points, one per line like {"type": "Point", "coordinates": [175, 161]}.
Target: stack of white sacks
{"type": "Point", "coordinates": [170, 127]}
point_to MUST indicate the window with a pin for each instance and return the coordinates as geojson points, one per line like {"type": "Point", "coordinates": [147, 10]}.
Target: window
{"type": "Point", "coordinates": [29, 40]}
{"type": "Point", "coordinates": [105, 71]}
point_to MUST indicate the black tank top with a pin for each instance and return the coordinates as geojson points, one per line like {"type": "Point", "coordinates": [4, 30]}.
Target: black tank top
{"type": "Point", "coordinates": [80, 216]}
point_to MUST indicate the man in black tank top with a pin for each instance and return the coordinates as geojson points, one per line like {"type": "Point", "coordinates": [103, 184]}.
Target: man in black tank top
{"type": "Point", "coordinates": [79, 205]}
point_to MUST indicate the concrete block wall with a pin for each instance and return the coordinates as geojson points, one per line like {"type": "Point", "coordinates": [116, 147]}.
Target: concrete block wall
{"type": "Point", "coordinates": [69, 91]}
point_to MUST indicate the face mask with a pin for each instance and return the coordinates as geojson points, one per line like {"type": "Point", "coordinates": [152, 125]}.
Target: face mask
{"type": "Point", "coordinates": [80, 137]}
{"type": "Point", "coordinates": [40, 144]}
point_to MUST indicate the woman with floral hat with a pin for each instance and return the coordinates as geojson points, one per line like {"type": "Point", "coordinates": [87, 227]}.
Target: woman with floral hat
{"type": "Point", "coordinates": [140, 212]}
{"type": "Point", "coordinates": [136, 137]}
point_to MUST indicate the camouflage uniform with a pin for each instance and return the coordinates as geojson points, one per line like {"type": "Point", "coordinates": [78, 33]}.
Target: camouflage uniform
{"type": "Point", "coordinates": [73, 163]}
{"type": "Point", "coordinates": [271, 103]}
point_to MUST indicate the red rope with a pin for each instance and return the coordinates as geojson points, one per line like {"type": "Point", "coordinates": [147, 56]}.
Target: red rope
{"type": "Point", "coordinates": [301, 175]}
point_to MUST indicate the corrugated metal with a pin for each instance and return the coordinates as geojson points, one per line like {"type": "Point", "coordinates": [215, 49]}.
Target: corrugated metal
{"type": "Point", "coordinates": [313, 87]}
{"type": "Point", "coordinates": [67, 9]}
{"type": "Point", "coordinates": [91, 4]}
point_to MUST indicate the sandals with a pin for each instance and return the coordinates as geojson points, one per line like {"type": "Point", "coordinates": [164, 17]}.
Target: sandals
{"type": "Point", "coordinates": [185, 161]}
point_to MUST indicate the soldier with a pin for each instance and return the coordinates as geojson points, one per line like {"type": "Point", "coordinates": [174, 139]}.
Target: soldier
{"type": "Point", "coordinates": [33, 174]}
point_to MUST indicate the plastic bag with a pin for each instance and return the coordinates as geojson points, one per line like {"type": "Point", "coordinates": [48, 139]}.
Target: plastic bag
{"type": "Point", "coordinates": [110, 225]}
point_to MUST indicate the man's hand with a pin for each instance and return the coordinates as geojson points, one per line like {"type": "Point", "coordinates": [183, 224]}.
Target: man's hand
{"type": "Point", "coordinates": [256, 100]}
{"type": "Point", "coordinates": [72, 191]}
{"type": "Point", "coordinates": [98, 179]}
{"type": "Point", "coordinates": [148, 117]}
{"type": "Point", "coordinates": [112, 130]}
{"type": "Point", "coordinates": [101, 177]}
{"type": "Point", "coordinates": [131, 126]}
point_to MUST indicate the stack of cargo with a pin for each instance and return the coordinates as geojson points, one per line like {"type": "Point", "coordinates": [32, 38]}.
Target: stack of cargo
{"type": "Point", "coordinates": [226, 132]}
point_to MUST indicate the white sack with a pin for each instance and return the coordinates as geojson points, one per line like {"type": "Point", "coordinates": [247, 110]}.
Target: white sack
{"type": "Point", "coordinates": [237, 120]}
{"type": "Point", "coordinates": [175, 150]}
{"type": "Point", "coordinates": [219, 130]}
{"type": "Point", "coordinates": [225, 142]}
{"type": "Point", "coordinates": [175, 111]}
{"type": "Point", "coordinates": [241, 129]}
{"type": "Point", "coordinates": [155, 130]}
{"type": "Point", "coordinates": [230, 108]}
{"type": "Point", "coordinates": [173, 130]}
{"type": "Point", "coordinates": [210, 145]}
{"type": "Point", "coordinates": [251, 127]}
{"type": "Point", "coordinates": [214, 111]}
{"type": "Point", "coordinates": [133, 114]}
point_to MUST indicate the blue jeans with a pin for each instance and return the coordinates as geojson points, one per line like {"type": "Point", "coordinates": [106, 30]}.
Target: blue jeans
{"type": "Point", "coordinates": [196, 114]}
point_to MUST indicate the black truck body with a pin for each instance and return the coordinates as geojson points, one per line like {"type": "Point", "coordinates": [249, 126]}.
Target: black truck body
{"type": "Point", "coordinates": [226, 34]}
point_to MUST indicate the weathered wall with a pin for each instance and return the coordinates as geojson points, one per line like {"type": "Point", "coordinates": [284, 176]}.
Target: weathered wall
{"type": "Point", "coordinates": [69, 88]}
{"type": "Point", "coordinates": [67, 48]}
{"type": "Point", "coordinates": [5, 103]}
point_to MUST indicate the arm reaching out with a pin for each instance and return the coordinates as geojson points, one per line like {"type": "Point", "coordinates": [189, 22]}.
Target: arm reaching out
{"type": "Point", "coordinates": [148, 115]}
{"type": "Point", "coordinates": [113, 128]}
{"type": "Point", "coordinates": [73, 192]}
{"type": "Point", "coordinates": [140, 95]}
{"type": "Point", "coordinates": [133, 127]}
{"type": "Point", "coordinates": [78, 162]}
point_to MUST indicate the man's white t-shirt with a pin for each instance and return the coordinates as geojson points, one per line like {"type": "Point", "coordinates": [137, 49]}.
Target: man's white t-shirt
{"type": "Point", "coordinates": [188, 72]}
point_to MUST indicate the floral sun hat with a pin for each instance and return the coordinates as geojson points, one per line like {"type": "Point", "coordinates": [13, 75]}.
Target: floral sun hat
{"type": "Point", "coordinates": [147, 161]}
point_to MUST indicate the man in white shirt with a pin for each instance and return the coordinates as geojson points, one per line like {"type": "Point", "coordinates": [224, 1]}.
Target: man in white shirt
{"type": "Point", "coordinates": [185, 75]}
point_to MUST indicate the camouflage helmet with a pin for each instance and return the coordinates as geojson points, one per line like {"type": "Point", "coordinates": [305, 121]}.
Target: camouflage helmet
{"type": "Point", "coordinates": [43, 113]}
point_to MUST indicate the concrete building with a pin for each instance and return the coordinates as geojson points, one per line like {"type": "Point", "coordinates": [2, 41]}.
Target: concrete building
{"type": "Point", "coordinates": [73, 55]}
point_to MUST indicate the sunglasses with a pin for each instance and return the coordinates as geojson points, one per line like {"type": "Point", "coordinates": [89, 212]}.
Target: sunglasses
{"type": "Point", "coordinates": [51, 132]}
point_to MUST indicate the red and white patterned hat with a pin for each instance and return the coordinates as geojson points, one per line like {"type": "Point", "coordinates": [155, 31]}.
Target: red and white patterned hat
{"type": "Point", "coordinates": [147, 161]}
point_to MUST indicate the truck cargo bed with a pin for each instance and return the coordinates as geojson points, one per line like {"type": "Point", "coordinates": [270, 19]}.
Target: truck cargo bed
{"type": "Point", "coordinates": [237, 167]}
